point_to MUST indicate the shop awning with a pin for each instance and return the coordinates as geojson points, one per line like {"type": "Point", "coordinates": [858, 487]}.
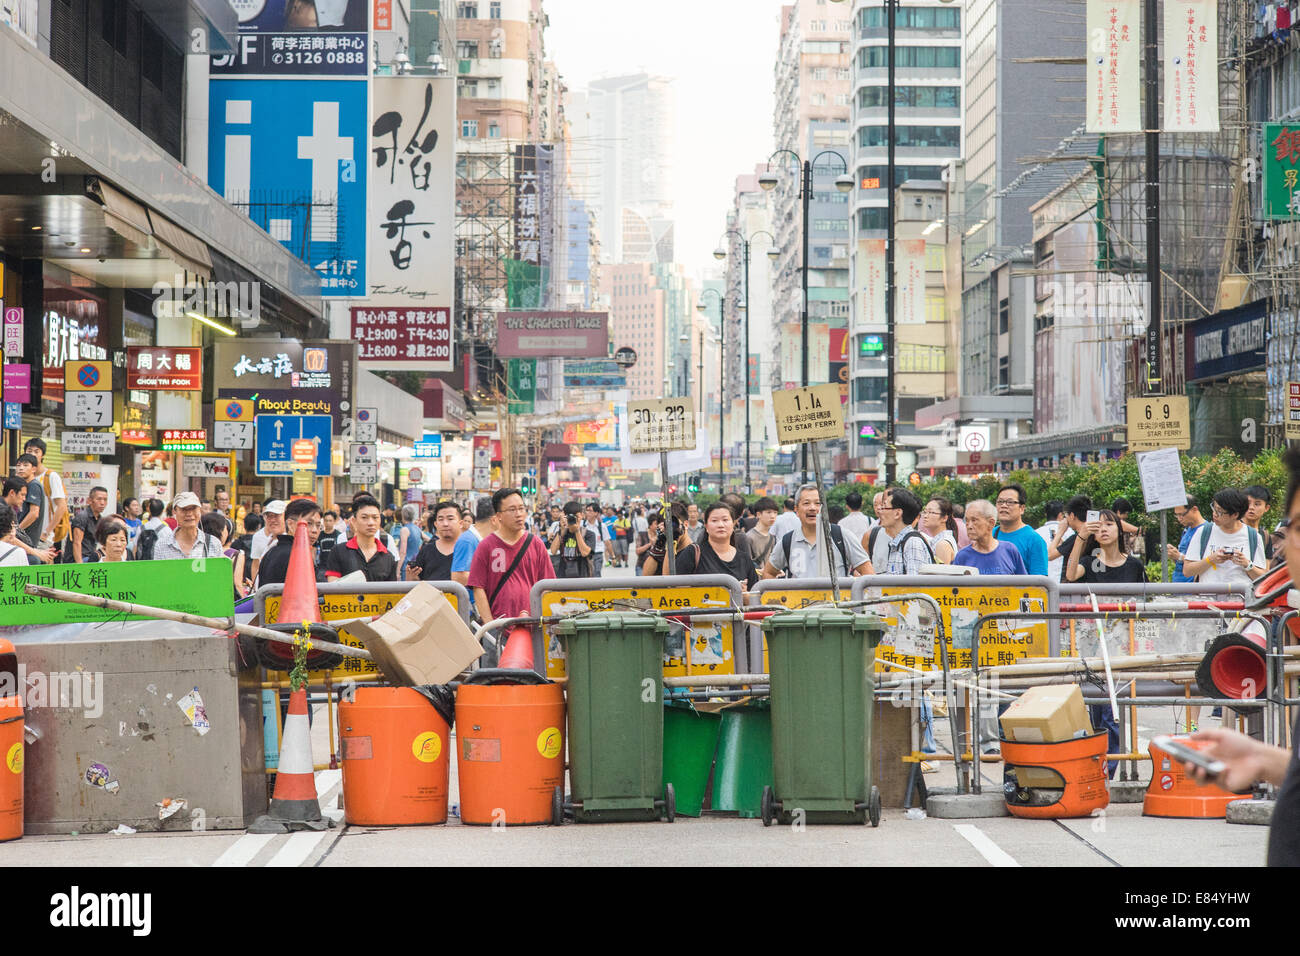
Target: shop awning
{"type": "Point", "coordinates": [185, 250]}
{"type": "Point", "coordinates": [126, 217]}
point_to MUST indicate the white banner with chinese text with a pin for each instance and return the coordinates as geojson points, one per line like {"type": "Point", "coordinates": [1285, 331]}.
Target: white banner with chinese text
{"type": "Point", "coordinates": [1114, 98]}
{"type": "Point", "coordinates": [1191, 66]}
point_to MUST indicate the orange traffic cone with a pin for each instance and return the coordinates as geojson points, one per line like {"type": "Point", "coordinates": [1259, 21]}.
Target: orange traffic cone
{"type": "Point", "coordinates": [295, 805]}
{"type": "Point", "coordinates": [300, 602]}
{"type": "Point", "coordinates": [518, 651]}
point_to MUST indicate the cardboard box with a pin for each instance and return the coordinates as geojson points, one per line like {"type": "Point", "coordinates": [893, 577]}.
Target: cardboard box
{"type": "Point", "coordinates": [1046, 715]}
{"type": "Point", "coordinates": [422, 640]}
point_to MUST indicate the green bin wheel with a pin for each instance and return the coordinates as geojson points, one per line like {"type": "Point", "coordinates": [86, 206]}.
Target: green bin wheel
{"type": "Point", "coordinates": [557, 807]}
{"type": "Point", "coordinates": [873, 807]}
{"type": "Point", "coordinates": [670, 803]}
{"type": "Point", "coordinates": [766, 806]}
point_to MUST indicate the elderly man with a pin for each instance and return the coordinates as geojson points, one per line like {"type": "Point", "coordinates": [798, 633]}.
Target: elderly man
{"type": "Point", "coordinates": [188, 540]}
{"type": "Point", "coordinates": [986, 553]}
{"type": "Point", "coordinates": [800, 552]}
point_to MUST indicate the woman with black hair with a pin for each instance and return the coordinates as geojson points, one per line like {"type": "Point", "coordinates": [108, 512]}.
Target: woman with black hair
{"type": "Point", "coordinates": [940, 529]}
{"type": "Point", "coordinates": [717, 552]}
{"type": "Point", "coordinates": [1100, 557]}
{"type": "Point", "coordinates": [113, 539]}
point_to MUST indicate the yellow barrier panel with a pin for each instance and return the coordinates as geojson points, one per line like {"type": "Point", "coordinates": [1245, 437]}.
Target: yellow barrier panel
{"type": "Point", "coordinates": [712, 643]}
{"type": "Point", "coordinates": [909, 643]}
{"type": "Point", "coordinates": [342, 607]}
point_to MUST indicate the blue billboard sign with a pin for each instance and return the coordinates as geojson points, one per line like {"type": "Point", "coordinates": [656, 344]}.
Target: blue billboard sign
{"type": "Point", "coordinates": [594, 373]}
{"type": "Point", "coordinates": [291, 154]}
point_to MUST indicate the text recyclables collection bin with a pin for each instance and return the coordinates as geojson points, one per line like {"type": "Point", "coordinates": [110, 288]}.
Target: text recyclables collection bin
{"type": "Point", "coordinates": [822, 663]}
{"type": "Point", "coordinates": [510, 758]}
{"type": "Point", "coordinates": [616, 716]}
{"type": "Point", "coordinates": [396, 758]}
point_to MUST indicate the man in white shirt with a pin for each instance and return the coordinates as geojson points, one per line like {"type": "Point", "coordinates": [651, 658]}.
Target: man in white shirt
{"type": "Point", "coordinates": [592, 522]}
{"type": "Point", "coordinates": [1052, 511]}
{"type": "Point", "coordinates": [855, 523]}
{"type": "Point", "coordinates": [266, 535]}
{"type": "Point", "coordinates": [1228, 552]}
{"type": "Point", "coordinates": [787, 520]}
{"type": "Point", "coordinates": [808, 558]}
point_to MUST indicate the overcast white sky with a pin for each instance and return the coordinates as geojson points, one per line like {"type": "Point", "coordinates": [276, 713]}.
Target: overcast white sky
{"type": "Point", "coordinates": [721, 53]}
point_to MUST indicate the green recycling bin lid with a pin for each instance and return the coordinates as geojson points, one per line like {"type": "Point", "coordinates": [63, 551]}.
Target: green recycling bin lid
{"type": "Point", "coordinates": [621, 621]}
{"type": "Point", "coordinates": [816, 618]}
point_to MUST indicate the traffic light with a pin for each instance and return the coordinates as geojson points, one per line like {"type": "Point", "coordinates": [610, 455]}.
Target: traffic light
{"type": "Point", "coordinates": [672, 489]}
{"type": "Point", "coordinates": [693, 484]}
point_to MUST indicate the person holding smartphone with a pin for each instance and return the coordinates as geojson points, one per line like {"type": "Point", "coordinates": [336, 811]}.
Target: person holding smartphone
{"type": "Point", "coordinates": [1248, 761]}
{"type": "Point", "coordinates": [1099, 555]}
{"type": "Point", "coordinates": [1228, 552]}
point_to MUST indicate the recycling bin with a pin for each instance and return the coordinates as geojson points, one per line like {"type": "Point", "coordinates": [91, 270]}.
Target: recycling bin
{"type": "Point", "coordinates": [821, 664]}
{"type": "Point", "coordinates": [616, 716]}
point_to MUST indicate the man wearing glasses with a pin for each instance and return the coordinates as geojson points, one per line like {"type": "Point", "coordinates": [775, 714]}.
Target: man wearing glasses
{"type": "Point", "coordinates": [275, 563]}
{"type": "Point", "coordinates": [1192, 521]}
{"type": "Point", "coordinates": [1227, 552]}
{"type": "Point", "coordinates": [1012, 528]}
{"type": "Point", "coordinates": [508, 562]}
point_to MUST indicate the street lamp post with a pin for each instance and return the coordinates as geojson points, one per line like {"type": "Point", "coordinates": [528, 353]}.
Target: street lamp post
{"type": "Point", "coordinates": [772, 253]}
{"type": "Point", "coordinates": [722, 387]}
{"type": "Point", "coordinates": [844, 183]}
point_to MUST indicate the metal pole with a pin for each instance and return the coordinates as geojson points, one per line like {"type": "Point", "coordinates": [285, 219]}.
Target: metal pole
{"type": "Point", "coordinates": [1164, 549]}
{"type": "Point", "coordinates": [891, 458]}
{"type": "Point", "coordinates": [824, 533]}
{"type": "Point", "coordinates": [670, 551]}
{"type": "Point", "coordinates": [749, 488]}
{"type": "Point", "coordinates": [722, 391]}
{"type": "Point", "coordinates": [806, 196]}
{"type": "Point", "coordinates": [1151, 74]}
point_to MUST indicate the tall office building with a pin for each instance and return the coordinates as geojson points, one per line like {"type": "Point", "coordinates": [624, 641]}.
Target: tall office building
{"type": "Point", "coordinates": [630, 127]}
{"type": "Point", "coordinates": [811, 119]}
{"type": "Point", "coordinates": [928, 133]}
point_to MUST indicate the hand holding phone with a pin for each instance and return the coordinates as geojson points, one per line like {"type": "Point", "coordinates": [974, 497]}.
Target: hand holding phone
{"type": "Point", "coordinates": [1186, 754]}
{"type": "Point", "coordinates": [1093, 517]}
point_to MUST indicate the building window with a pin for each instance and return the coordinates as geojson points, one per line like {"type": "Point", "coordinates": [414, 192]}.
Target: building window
{"type": "Point", "coordinates": [831, 225]}
{"type": "Point", "coordinates": [817, 99]}
{"type": "Point", "coordinates": [921, 57]}
{"type": "Point", "coordinates": [1004, 372]}
{"type": "Point", "coordinates": [917, 137]}
{"type": "Point", "coordinates": [842, 73]}
{"type": "Point", "coordinates": [1004, 316]}
{"type": "Point", "coordinates": [919, 97]}
{"type": "Point", "coordinates": [819, 73]}
{"type": "Point", "coordinates": [842, 99]}
{"type": "Point", "coordinates": [912, 18]}
{"type": "Point", "coordinates": [467, 9]}
{"type": "Point", "coordinates": [877, 177]}
{"type": "Point", "coordinates": [873, 219]}
{"type": "Point", "coordinates": [494, 10]}
{"type": "Point", "coordinates": [494, 131]}
{"type": "Point", "coordinates": [469, 129]}
{"type": "Point", "coordinates": [816, 26]}
{"type": "Point", "coordinates": [468, 88]}
{"type": "Point", "coordinates": [467, 49]}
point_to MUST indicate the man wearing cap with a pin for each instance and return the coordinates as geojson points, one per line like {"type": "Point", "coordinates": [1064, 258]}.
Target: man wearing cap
{"type": "Point", "coordinates": [273, 515]}
{"type": "Point", "coordinates": [274, 566]}
{"type": "Point", "coordinates": [188, 540]}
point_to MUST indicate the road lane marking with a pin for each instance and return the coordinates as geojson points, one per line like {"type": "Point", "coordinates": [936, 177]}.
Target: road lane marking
{"type": "Point", "coordinates": [986, 847]}
{"type": "Point", "coordinates": [244, 849]}
{"type": "Point", "coordinates": [298, 848]}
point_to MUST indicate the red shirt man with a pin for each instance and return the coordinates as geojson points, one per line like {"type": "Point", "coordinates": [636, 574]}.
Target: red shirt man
{"type": "Point", "coordinates": [496, 555]}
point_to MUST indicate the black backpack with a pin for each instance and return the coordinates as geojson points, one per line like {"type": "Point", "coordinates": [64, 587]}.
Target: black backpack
{"type": "Point", "coordinates": [875, 533]}
{"type": "Point", "coordinates": [144, 544]}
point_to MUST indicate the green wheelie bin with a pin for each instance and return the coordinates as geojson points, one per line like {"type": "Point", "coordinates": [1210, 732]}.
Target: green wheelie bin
{"type": "Point", "coordinates": [616, 716]}
{"type": "Point", "coordinates": [822, 666]}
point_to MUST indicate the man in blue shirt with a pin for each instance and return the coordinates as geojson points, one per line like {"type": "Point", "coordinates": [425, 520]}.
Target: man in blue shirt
{"type": "Point", "coordinates": [1191, 520]}
{"type": "Point", "coordinates": [463, 556]}
{"type": "Point", "coordinates": [1012, 528]}
{"type": "Point", "coordinates": [985, 553]}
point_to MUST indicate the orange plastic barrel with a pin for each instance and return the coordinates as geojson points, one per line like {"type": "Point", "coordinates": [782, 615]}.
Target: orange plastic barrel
{"type": "Point", "coordinates": [11, 746]}
{"type": "Point", "coordinates": [510, 757]}
{"type": "Point", "coordinates": [396, 758]}
{"type": "Point", "coordinates": [1172, 793]}
{"type": "Point", "coordinates": [1056, 780]}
